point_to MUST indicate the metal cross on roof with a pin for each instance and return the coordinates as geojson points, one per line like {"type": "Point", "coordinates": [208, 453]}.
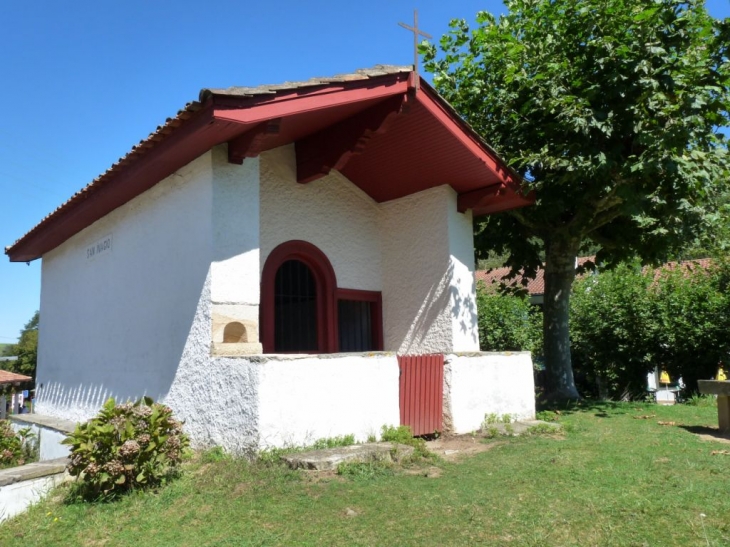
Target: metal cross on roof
{"type": "Point", "coordinates": [416, 34]}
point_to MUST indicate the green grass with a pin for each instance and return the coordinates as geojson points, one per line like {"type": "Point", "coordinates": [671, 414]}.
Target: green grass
{"type": "Point", "coordinates": [609, 480]}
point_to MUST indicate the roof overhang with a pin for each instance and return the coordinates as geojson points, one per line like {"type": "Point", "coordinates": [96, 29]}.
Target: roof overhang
{"type": "Point", "coordinates": [8, 378]}
{"type": "Point", "coordinates": [380, 133]}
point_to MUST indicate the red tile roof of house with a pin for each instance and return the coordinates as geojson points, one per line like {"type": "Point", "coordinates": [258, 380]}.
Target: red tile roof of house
{"type": "Point", "coordinates": [7, 377]}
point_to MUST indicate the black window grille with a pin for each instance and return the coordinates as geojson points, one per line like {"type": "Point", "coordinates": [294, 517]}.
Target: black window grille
{"type": "Point", "coordinates": [295, 308]}
{"type": "Point", "coordinates": [355, 325]}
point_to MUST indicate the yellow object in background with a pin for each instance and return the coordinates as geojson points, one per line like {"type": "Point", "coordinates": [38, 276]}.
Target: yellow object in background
{"type": "Point", "coordinates": [664, 377]}
{"type": "Point", "coordinates": [721, 375]}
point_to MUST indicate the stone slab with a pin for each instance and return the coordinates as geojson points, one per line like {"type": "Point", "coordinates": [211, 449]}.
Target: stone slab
{"type": "Point", "coordinates": [32, 471]}
{"type": "Point", "coordinates": [328, 459]}
{"type": "Point", "coordinates": [519, 428]}
{"type": "Point", "coordinates": [51, 422]}
{"type": "Point", "coordinates": [714, 387]}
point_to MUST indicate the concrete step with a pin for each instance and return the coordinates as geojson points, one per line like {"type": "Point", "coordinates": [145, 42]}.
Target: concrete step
{"type": "Point", "coordinates": [329, 458]}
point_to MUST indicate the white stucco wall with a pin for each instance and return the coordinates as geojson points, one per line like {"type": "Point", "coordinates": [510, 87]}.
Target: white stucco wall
{"type": "Point", "coordinates": [429, 304]}
{"type": "Point", "coordinates": [116, 324]}
{"type": "Point", "coordinates": [16, 498]}
{"type": "Point", "coordinates": [331, 213]}
{"type": "Point", "coordinates": [417, 250]}
{"type": "Point", "coordinates": [462, 289]}
{"type": "Point", "coordinates": [235, 200]}
{"type": "Point", "coordinates": [216, 397]}
{"type": "Point", "coordinates": [488, 383]}
{"type": "Point", "coordinates": [307, 398]}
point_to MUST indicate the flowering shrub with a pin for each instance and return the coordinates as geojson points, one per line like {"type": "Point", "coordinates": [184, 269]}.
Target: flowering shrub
{"type": "Point", "coordinates": [125, 447]}
{"type": "Point", "coordinates": [16, 448]}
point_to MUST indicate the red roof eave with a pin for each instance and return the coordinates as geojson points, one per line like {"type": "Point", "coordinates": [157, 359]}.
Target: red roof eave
{"type": "Point", "coordinates": [220, 117]}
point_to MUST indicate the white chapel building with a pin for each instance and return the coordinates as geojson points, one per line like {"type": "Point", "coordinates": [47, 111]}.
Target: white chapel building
{"type": "Point", "coordinates": [281, 264]}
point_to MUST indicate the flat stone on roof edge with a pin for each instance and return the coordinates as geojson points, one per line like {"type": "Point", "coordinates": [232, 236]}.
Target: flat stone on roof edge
{"type": "Point", "coordinates": [50, 422]}
{"type": "Point", "coordinates": [32, 471]}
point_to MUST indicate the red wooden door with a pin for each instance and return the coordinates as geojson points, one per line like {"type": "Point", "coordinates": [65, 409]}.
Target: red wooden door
{"type": "Point", "coordinates": [421, 392]}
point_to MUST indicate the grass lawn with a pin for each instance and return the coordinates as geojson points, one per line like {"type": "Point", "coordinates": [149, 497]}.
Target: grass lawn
{"type": "Point", "coordinates": [611, 479]}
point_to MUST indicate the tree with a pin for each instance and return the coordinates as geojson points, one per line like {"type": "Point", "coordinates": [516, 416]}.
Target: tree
{"type": "Point", "coordinates": [609, 110]}
{"type": "Point", "coordinates": [26, 349]}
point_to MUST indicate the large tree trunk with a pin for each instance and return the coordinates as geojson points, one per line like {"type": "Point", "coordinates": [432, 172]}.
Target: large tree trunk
{"type": "Point", "coordinates": [560, 257]}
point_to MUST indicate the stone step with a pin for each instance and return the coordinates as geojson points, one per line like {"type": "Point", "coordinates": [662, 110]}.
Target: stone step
{"type": "Point", "coordinates": [516, 429]}
{"type": "Point", "coordinates": [329, 458]}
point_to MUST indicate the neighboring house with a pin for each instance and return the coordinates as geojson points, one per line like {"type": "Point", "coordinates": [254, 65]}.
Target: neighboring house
{"type": "Point", "coordinates": [535, 287]}
{"type": "Point", "coordinates": [11, 380]}
{"type": "Point", "coordinates": [265, 261]}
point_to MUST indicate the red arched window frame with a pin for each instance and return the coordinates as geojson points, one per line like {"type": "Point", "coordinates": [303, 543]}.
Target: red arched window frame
{"type": "Point", "coordinates": [326, 284]}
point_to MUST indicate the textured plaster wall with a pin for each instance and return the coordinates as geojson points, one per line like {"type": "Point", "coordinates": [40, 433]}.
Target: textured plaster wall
{"type": "Point", "coordinates": [417, 273]}
{"type": "Point", "coordinates": [216, 397]}
{"type": "Point", "coordinates": [308, 398]}
{"type": "Point", "coordinates": [417, 250]}
{"type": "Point", "coordinates": [462, 291]}
{"type": "Point", "coordinates": [487, 383]}
{"type": "Point", "coordinates": [117, 324]}
{"type": "Point", "coordinates": [331, 213]}
{"type": "Point", "coordinates": [235, 200]}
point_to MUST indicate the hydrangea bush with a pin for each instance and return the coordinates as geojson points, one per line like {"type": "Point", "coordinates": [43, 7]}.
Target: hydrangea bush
{"type": "Point", "coordinates": [125, 447]}
{"type": "Point", "coordinates": [16, 448]}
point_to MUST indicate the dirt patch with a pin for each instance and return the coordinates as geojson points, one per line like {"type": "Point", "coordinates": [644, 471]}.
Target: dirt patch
{"type": "Point", "coordinates": [715, 437]}
{"type": "Point", "coordinates": [315, 477]}
{"type": "Point", "coordinates": [455, 447]}
{"type": "Point", "coordinates": [432, 472]}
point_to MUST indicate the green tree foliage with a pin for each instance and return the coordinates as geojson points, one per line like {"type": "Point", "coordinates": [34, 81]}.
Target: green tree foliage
{"type": "Point", "coordinates": [507, 321]}
{"type": "Point", "coordinates": [627, 321]}
{"type": "Point", "coordinates": [610, 111]}
{"type": "Point", "coordinates": [693, 322]}
{"type": "Point", "coordinates": [26, 349]}
{"type": "Point", "coordinates": [614, 327]}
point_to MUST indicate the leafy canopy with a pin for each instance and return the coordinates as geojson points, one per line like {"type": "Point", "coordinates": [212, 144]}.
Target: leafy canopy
{"type": "Point", "coordinates": [609, 109]}
{"type": "Point", "coordinates": [26, 349]}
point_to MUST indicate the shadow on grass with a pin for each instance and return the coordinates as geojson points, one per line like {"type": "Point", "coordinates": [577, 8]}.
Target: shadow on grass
{"type": "Point", "coordinates": [601, 408]}
{"type": "Point", "coordinates": [712, 432]}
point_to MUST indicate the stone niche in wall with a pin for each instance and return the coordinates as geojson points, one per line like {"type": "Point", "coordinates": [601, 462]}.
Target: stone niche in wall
{"type": "Point", "coordinates": [235, 330]}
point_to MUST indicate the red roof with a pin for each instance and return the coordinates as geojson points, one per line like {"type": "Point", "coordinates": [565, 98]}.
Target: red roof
{"type": "Point", "coordinates": [534, 286]}
{"type": "Point", "coordinates": [537, 286]}
{"type": "Point", "coordinates": [371, 125]}
{"type": "Point", "coordinates": [7, 377]}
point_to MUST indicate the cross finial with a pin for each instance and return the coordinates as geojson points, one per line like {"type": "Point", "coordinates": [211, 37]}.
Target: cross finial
{"type": "Point", "coordinates": [416, 34]}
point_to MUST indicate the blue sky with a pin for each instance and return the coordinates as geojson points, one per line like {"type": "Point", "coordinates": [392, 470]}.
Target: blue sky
{"type": "Point", "coordinates": [84, 81]}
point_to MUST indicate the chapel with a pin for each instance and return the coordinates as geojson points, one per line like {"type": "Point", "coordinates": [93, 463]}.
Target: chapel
{"type": "Point", "coordinates": [282, 263]}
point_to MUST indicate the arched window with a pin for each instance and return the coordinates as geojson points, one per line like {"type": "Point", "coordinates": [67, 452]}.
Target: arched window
{"type": "Point", "coordinates": [303, 311]}
{"type": "Point", "coordinates": [295, 308]}
{"type": "Point", "coordinates": [298, 306]}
